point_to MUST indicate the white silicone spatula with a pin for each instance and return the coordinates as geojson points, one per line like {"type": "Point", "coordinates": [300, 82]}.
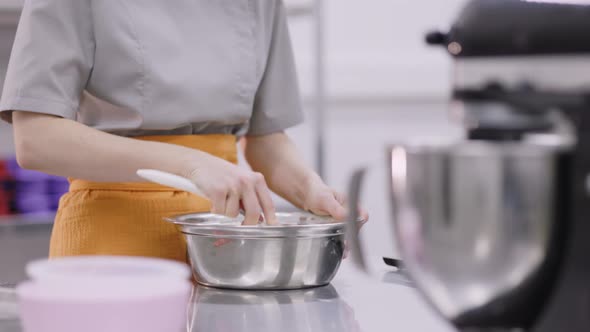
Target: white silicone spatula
{"type": "Point", "coordinates": [170, 180]}
{"type": "Point", "coordinates": [176, 182]}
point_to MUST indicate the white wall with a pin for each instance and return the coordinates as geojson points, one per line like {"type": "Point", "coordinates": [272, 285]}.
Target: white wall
{"type": "Point", "coordinates": [376, 48]}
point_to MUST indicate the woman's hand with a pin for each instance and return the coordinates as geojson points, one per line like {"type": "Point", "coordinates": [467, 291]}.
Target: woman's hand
{"type": "Point", "coordinates": [287, 174]}
{"type": "Point", "coordinates": [98, 157]}
{"type": "Point", "coordinates": [230, 187]}
{"type": "Point", "coordinates": [324, 201]}
{"type": "Point", "coordinates": [321, 200]}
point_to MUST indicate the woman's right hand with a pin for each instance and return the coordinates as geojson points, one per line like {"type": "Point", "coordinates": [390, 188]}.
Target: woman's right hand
{"type": "Point", "coordinates": [98, 158]}
{"type": "Point", "coordinates": [230, 187]}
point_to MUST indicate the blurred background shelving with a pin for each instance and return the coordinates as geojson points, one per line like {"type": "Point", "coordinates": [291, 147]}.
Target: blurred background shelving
{"type": "Point", "coordinates": [9, 11]}
{"type": "Point", "coordinates": [38, 219]}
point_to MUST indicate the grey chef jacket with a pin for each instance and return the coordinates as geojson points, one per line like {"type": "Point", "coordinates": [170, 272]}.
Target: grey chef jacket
{"type": "Point", "coordinates": [139, 67]}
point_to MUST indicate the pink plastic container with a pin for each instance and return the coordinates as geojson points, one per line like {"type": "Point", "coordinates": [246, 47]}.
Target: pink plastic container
{"type": "Point", "coordinates": [70, 309]}
{"type": "Point", "coordinates": [111, 269]}
{"type": "Point", "coordinates": [114, 294]}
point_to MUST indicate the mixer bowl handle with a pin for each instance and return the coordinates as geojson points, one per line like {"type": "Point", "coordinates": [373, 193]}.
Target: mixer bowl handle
{"type": "Point", "coordinates": [354, 241]}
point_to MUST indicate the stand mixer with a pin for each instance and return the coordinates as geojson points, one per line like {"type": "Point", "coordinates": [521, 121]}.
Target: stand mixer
{"type": "Point", "coordinates": [494, 230]}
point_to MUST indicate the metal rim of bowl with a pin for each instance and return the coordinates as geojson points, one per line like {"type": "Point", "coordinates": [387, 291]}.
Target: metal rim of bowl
{"type": "Point", "coordinates": [522, 149]}
{"type": "Point", "coordinates": [231, 228]}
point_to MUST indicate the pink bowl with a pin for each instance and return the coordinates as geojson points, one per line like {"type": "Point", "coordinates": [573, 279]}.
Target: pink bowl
{"type": "Point", "coordinates": [112, 307]}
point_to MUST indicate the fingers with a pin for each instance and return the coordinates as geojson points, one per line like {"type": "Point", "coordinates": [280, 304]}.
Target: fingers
{"type": "Point", "coordinates": [363, 214]}
{"type": "Point", "coordinates": [340, 198]}
{"type": "Point", "coordinates": [247, 191]}
{"type": "Point", "coordinates": [265, 200]}
{"type": "Point", "coordinates": [232, 204]}
{"type": "Point", "coordinates": [218, 196]}
{"type": "Point", "coordinates": [252, 206]}
{"type": "Point", "coordinates": [256, 200]}
{"type": "Point", "coordinates": [334, 207]}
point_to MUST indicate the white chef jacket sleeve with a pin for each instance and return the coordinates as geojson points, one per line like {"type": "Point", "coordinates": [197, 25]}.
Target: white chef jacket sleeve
{"type": "Point", "coordinates": [51, 59]}
{"type": "Point", "coordinates": [277, 105]}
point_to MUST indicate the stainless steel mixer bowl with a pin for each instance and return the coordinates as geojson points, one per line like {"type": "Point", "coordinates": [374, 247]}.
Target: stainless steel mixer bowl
{"type": "Point", "coordinates": [472, 219]}
{"type": "Point", "coordinates": [302, 251]}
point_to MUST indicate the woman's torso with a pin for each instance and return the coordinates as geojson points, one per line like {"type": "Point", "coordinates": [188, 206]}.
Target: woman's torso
{"type": "Point", "coordinates": [154, 67]}
{"type": "Point", "coordinates": [190, 66]}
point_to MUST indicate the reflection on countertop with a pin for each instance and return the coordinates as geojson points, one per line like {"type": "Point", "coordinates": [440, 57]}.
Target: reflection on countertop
{"type": "Point", "coordinates": [317, 309]}
{"type": "Point", "coordinates": [9, 321]}
{"type": "Point", "coordinates": [215, 310]}
{"type": "Point", "coordinates": [398, 278]}
{"type": "Point", "coordinates": [354, 302]}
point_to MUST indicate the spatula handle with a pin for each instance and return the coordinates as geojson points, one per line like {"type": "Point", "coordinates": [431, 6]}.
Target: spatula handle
{"type": "Point", "coordinates": [170, 180]}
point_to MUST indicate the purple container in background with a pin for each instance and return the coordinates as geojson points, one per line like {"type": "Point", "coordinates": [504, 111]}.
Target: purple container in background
{"type": "Point", "coordinates": [12, 166]}
{"type": "Point", "coordinates": [31, 187]}
{"type": "Point", "coordinates": [8, 185]}
{"type": "Point", "coordinates": [33, 203]}
{"type": "Point", "coordinates": [35, 192]}
{"type": "Point", "coordinates": [58, 185]}
{"type": "Point", "coordinates": [27, 175]}
{"type": "Point", "coordinates": [6, 189]}
{"type": "Point", "coordinates": [24, 174]}
{"type": "Point", "coordinates": [54, 201]}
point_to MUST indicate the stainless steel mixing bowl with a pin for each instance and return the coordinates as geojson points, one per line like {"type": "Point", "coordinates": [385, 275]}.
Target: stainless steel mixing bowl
{"type": "Point", "coordinates": [473, 220]}
{"type": "Point", "coordinates": [302, 251]}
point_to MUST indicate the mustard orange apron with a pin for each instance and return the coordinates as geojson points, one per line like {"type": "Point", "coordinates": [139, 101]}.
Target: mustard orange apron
{"type": "Point", "coordinates": [127, 218]}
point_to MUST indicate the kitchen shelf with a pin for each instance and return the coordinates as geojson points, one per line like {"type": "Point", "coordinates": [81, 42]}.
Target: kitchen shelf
{"type": "Point", "coordinates": [10, 12]}
{"type": "Point", "coordinates": [11, 4]}
{"type": "Point", "coordinates": [9, 18]}
{"type": "Point", "coordinates": [300, 8]}
{"type": "Point", "coordinates": [27, 220]}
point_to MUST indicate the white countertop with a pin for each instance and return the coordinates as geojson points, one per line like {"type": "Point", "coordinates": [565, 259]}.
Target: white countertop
{"type": "Point", "coordinates": [354, 302]}
{"type": "Point", "coordinates": [382, 303]}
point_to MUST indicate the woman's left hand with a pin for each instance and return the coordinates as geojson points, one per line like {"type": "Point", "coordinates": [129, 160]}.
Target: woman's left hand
{"type": "Point", "coordinates": [291, 178]}
{"type": "Point", "coordinates": [324, 201]}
